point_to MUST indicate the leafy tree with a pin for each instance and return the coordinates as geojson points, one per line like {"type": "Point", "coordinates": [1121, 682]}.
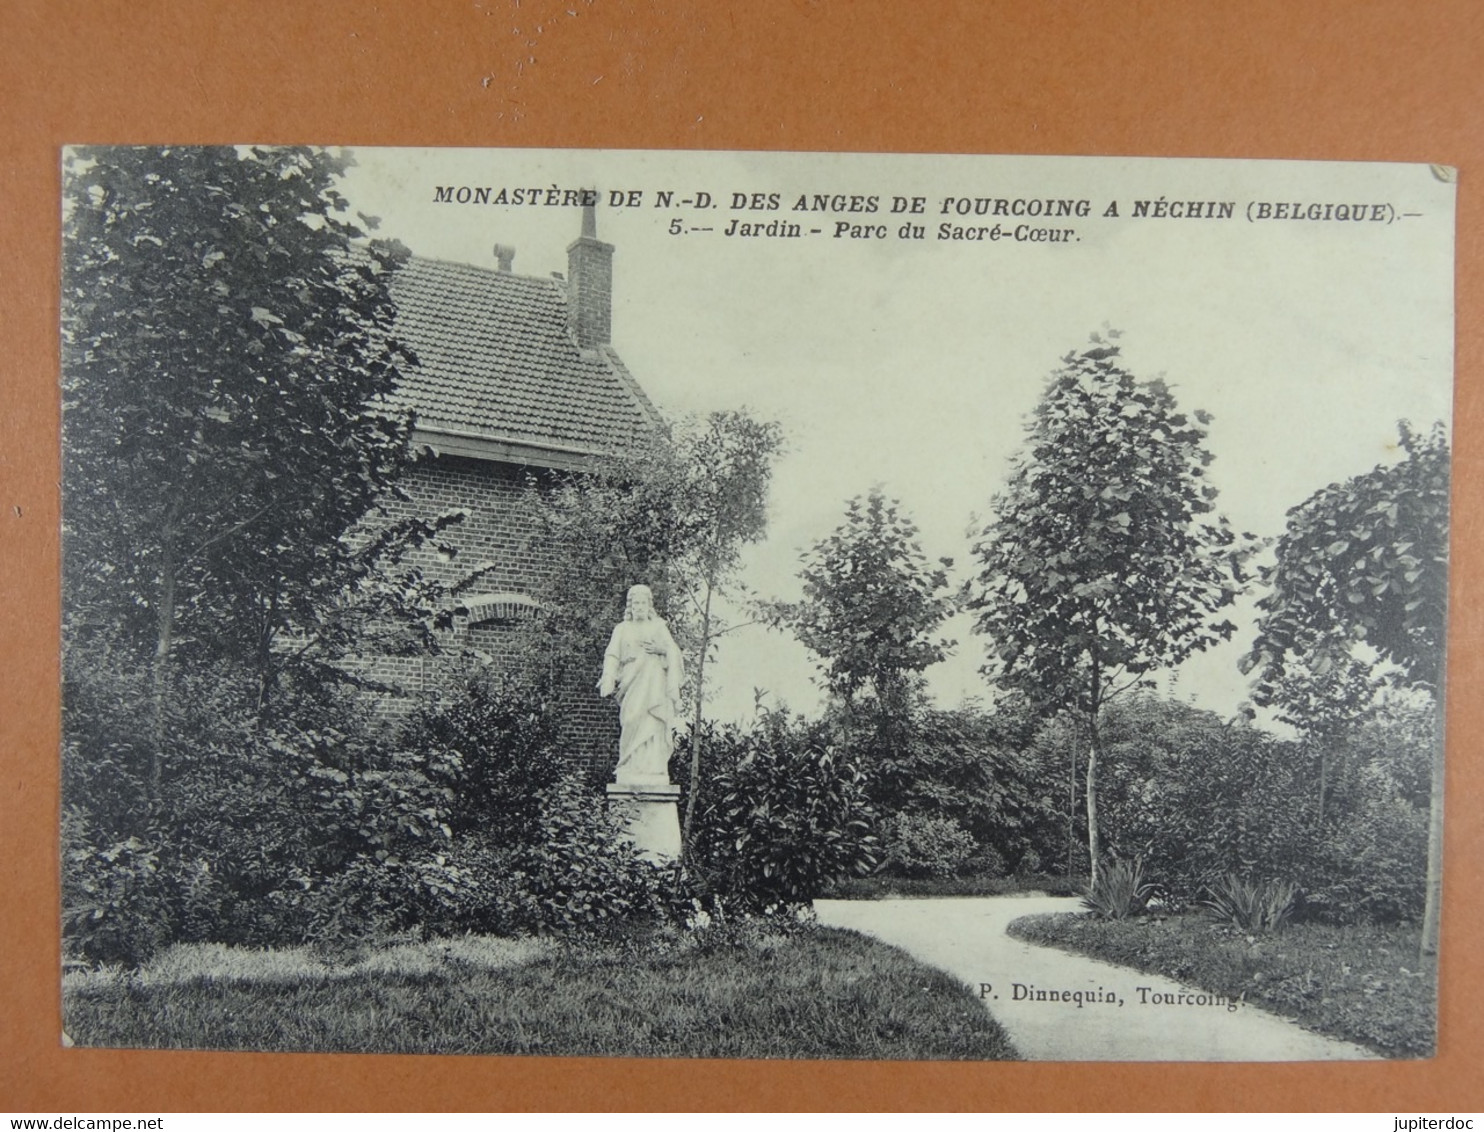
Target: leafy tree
{"type": "Point", "coordinates": [227, 352]}
{"type": "Point", "coordinates": [729, 463]}
{"type": "Point", "coordinates": [1104, 560]}
{"type": "Point", "coordinates": [872, 606]}
{"type": "Point", "coordinates": [1325, 695]}
{"type": "Point", "coordinates": [606, 529]}
{"type": "Point", "coordinates": [1367, 560]}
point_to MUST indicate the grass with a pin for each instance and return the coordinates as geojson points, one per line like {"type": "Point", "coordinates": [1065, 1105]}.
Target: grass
{"type": "Point", "coordinates": [754, 993]}
{"type": "Point", "coordinates": [1364, 984]}
{"type": "Point", "coordinates": [881, 886]}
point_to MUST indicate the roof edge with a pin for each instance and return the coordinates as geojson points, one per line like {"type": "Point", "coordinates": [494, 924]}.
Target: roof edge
{"type": "Point", "coordinates": [508, 449]}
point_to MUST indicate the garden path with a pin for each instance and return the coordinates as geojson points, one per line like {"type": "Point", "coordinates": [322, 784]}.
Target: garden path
{"type": "Point", "coordinates": [966, 937]}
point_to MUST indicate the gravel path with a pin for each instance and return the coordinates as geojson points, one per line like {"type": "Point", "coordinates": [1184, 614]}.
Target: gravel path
{"type": "Point", "coordinates": [1033, 991]}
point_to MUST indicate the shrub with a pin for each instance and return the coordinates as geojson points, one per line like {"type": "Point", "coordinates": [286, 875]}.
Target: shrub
{"type": "Point", "coordinates": [1254, 906]}
{"type": "Point", "coordinates": [986, 862]}
{"type": "Point", "coordinates": [921, 845]}
{"type": "Point", "coordinates": [1373, 865]}
{"type": "Point", "coordinates": [116, 899]}
{"type": "Point", "coordinates": [582, 874]}
{"type": "Point", "coordinates": [1119, 891]}
{"type": "Point", "coordinates": [970, 765]}
{"type": "Point", "coordinates": [498, 743]}
{"type": "Point", "coordinates": [783, 813]}
{"type": "Point", "coordinates": [1029, 864]}
{"type": "Point", "coordinates": [1199, 799]}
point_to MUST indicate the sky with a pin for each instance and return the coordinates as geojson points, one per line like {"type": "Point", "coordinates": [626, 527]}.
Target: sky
{"type": "Point", "coordinates": [911, 364]}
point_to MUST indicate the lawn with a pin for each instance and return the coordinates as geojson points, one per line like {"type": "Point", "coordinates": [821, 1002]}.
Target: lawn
{"type": "Point", "coordinates": [753, 993]}
{"type": "Point", "coordinates": [1364, 984]}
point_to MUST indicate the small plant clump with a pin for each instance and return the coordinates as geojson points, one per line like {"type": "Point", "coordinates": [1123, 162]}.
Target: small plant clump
{"type": "Point", "coordinates": [1252, 905]}
{"type": "Point", "coordinates": [926, 845]}
{"type": "Point", "coordinates": [1119, 891]}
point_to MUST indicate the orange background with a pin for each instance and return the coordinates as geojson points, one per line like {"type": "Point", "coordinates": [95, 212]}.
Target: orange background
{"type": "Point", "coordinates": [1374, 80]}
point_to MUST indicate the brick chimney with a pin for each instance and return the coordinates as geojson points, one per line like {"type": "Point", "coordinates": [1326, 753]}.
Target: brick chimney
{"type": "Point", "coordinates": [590, 285]}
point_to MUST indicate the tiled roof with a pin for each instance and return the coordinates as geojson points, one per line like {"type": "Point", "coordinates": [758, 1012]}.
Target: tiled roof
{"type": "Point", "coordinates": [496, 360]}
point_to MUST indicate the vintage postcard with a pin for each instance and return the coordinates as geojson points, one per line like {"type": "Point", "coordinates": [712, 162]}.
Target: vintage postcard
{"type": "Point", "coordinates": [753, 605]}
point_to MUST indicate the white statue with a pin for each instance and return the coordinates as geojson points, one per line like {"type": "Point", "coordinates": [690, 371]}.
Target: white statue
{"type": "Point", "coordinates": [643, 666]}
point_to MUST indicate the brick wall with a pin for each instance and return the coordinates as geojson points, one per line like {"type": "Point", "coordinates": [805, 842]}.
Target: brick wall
{"type": "Point", "coordinates": [501, 532]}
{"type": "Point", "coordinates": [500, 528]}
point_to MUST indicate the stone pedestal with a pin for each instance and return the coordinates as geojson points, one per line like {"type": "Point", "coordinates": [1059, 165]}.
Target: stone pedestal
{"type": "Point", "coordinates": [650, 817]}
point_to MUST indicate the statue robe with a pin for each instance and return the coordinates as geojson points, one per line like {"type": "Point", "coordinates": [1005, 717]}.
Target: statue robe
{"type": "Point", "coordinates": [648, 689]}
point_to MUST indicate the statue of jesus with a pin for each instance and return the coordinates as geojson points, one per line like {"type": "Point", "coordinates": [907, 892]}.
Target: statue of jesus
{"type": "Point", "coordinates": [643, 666]}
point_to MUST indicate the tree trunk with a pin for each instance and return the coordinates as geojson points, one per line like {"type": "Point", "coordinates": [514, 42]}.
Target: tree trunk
{"type": "Point", "coordinates": [1094, 749]}
{"type": "Point", "coordinates": [1323, 778]}
{"type": "Point", "coordinates": [1432, 912]}
{"type": "Point", "coordinates": [1072, 807]}
{"type": "Point", "coordinates": [266, 674]}
{"type": "Point", "coordinates": [160, 668]}
{"type": "Point", "coordinates": [695, 731]}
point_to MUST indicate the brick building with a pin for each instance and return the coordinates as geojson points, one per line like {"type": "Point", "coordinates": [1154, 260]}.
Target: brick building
{"type": "Point", "coordinates": [517, 382]}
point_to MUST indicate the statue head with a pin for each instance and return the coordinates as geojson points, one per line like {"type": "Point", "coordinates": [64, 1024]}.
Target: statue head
{"type": "Point", "coordinates": [639, 605]}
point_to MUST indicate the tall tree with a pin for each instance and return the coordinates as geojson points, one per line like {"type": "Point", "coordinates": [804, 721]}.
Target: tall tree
{"type": "Point", "coordinates": [728, 466]}
{"type": "Point", "coordinates": [1104, 560]}
{"type": "Point", "coordinates": [227, 352]}
{"type": "Point", "coordinates": [1325, 695]}
{"type": "Point", "coordinates": [1367, 560]}
{"type": "Point", "coordinates": [872, 607]}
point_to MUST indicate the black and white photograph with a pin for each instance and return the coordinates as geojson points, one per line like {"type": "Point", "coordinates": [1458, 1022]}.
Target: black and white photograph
{"type": "Point", "coordinates": [753, 605]}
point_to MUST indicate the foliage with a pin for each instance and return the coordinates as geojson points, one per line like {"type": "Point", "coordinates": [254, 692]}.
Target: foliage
{"type": "Point", "coordinates": [1372, 867]}
{"type": "Point", "coordinates": [1326, 692]}
{"type": "Point", "coordinates": [1252, 905]}
{"type": "Point", "coordinates": [872, 604]}
{"type": "Point", "coordinates": [1198, 797]}
{"type": "Point", "coordinates": [1118, 891]}
{"type": "Point", "coordinates": [1104, 560]}
{"type": "Point", "coordinates": [926, 845]}
{"type": "Point", "coordinates": [668, 513]}
{"type": "Point", "coordinates": [783, 813]}
{"type": "Point", "coordinates": [617, 525]}
{"type": "Point", "coordinates": [499, 741]}
{"type": "Point", "coordinates": [879, 886]}
{"type": "Point", "coordinates": [227, 362]}
{"type": "Point", "coordinates": [106, 748]}
{"type": "Point", "coordinates": [115, 902]}
{"type": "Point", "coordinates": [1152, 744]}
{"type": "Point", "coordinates": [986, 861]}
{"type": "Point", "coordinates": [1365, 558]}
{"type": "Point", "coordinates": [972, 766]}
{"type": "Point", "coordinates": [729, 465]}
{"type": "Point", "coordinates": [581, 873]}
{"type": "Point", "coordinates": [335, 830]}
